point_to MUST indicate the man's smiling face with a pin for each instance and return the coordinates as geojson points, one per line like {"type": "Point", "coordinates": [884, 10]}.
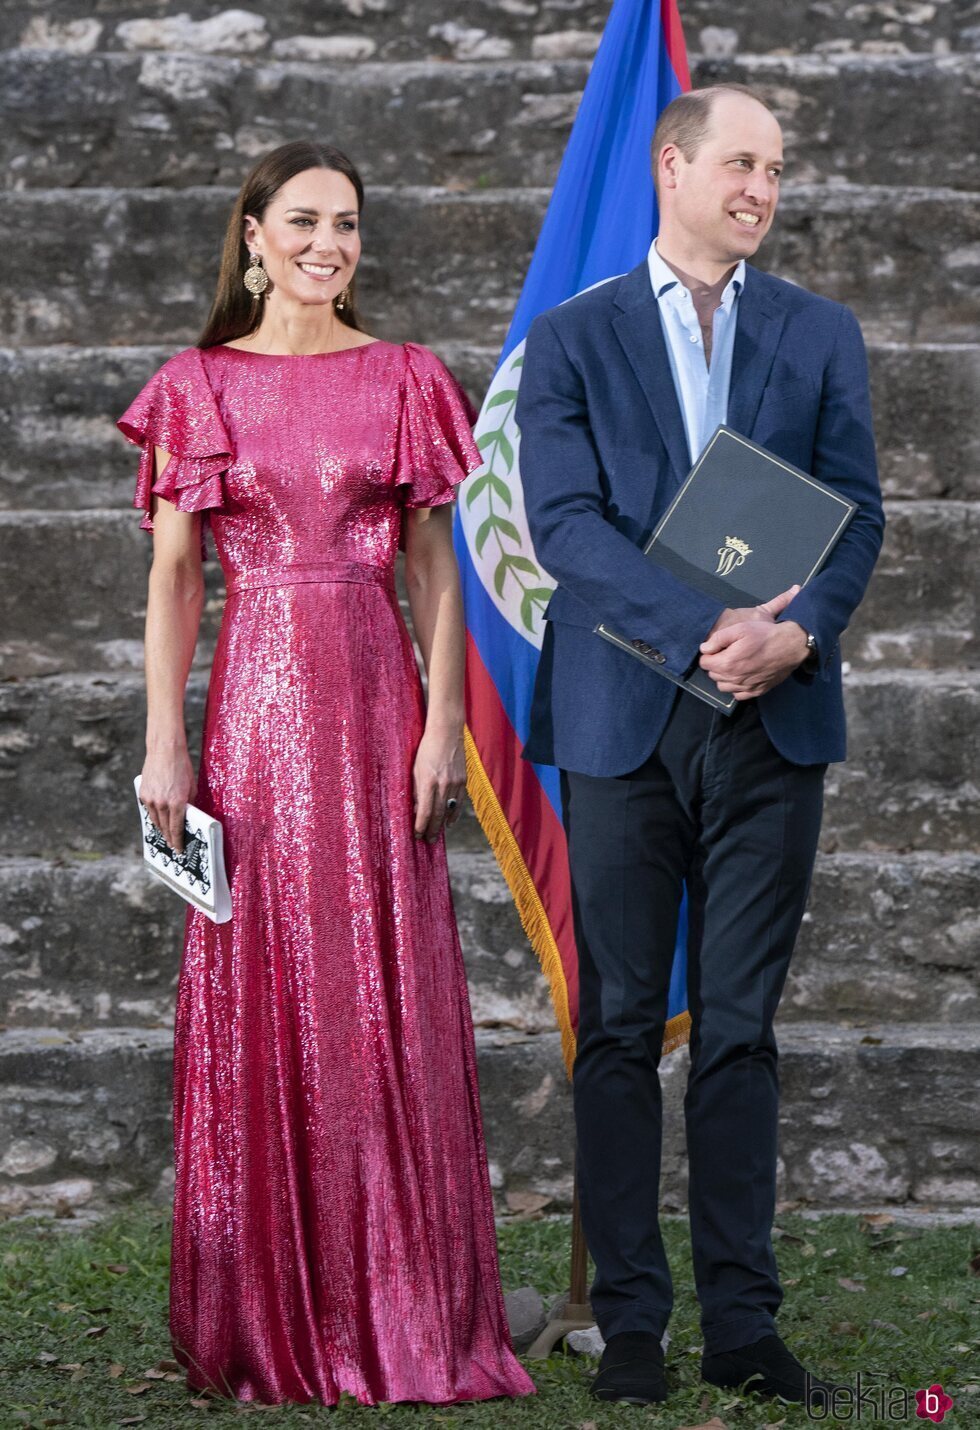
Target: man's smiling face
{"type": "Point", "coordinates": [724, 199]}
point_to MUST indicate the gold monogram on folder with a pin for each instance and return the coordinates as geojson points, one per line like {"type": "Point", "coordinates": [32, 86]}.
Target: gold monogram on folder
{"type": "Point", "coordinates": [732, 554]}
{"type": "Point", "coordinates": [736, 485]}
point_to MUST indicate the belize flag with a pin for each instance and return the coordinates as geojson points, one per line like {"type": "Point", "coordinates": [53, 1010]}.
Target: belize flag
{"type": "Point", "coordinates": [600, 222]}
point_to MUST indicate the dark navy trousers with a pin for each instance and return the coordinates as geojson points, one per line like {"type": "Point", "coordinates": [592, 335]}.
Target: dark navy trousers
{"type": "Point", "coordinates": [717, 808]}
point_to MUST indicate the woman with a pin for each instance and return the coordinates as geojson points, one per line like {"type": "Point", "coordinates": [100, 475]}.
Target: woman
{"type": "Point", "coordinates": [333, 1226]}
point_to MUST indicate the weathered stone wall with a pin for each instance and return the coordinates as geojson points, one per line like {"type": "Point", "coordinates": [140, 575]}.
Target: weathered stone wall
{"type": "Point", "coordinates": [124, 128]}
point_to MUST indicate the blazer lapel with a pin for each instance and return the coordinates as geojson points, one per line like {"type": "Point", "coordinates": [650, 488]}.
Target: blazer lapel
{"type": "Point", "coordinates": [757, 333]}
{"type": "Point", "coordinates": [638, 328]}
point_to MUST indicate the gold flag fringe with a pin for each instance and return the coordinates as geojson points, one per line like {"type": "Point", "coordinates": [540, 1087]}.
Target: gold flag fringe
{"type": "Point", "coordinates": [530, 908]}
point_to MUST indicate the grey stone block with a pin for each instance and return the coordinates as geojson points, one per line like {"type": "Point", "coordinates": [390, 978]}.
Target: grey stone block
{"type": "Point", "coordinates": [187, 119]}
{"type": "Point", "coordinates": [921, 608]}
{"type": "Point", "coordinates": [444, 266]}
{"type": "Point", "coordinates": [100, 1102]}
{"type": "Point", "coordinates": [887, 1114]}
{"type": "Point", "coordinates": [928, 445]}
{"type": "Point", "coordinates": [59, 448]}
{"type": "Point", "coordinates": [909, 784]}
{"type": "Point", "coordinates": [87, 943]}
{"type": "Point", "coordinates": [74, 597]}
{"type": "Point", "coordinates": [865, 120]}
{"type": "Point", "coordinates": [68, 784]}
{"type": "Point", "coordinates": [911, 778]}
{"type": "Point", "coordinates": [96, 943]}
{"type": "Point", "coordinates": [85, 573]}
{"type": "Point", "coordinates": [415, 29]}
{"type": "Point", "coordinates": [895, 938]}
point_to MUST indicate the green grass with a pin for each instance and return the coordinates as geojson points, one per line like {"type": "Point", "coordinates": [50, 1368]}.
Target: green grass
{"type": "Point", "coordinates": [82, 1319]}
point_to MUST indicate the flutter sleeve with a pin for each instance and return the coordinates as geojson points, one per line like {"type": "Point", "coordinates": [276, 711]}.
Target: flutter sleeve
{"type": "Point", "coordinates": [177, 411]}
{"type": "Point", "coordinates": [436, 450]}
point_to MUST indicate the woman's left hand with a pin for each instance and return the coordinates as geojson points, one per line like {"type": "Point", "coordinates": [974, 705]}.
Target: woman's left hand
{"type": "Point", "coordinates": [439, 776]}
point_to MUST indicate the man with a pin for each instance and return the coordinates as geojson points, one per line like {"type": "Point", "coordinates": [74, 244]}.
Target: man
{"type": "Point", "coordinates": [621, 388]}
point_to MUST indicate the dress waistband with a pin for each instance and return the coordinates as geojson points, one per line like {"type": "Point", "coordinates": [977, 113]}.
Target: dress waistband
{"type": "Point", "coordinates": [316, 572]}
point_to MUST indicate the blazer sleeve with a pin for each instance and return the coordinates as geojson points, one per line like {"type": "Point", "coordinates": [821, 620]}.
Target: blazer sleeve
{"type": "Point", "coordinates": [573, 536]}
{"type": "Point", "coordinates": [844, 458]}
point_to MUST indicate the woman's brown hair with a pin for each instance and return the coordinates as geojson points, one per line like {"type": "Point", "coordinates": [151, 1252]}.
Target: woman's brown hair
{"type": "Point", "coordinates": [234, 312]}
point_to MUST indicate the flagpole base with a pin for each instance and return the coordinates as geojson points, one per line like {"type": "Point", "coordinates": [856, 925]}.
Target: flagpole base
{"type": "Point", "coordinates": [572, 1318]}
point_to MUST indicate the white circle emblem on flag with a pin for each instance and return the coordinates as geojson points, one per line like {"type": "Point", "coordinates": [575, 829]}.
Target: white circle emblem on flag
{"type": "Point", "coordinates": [492, 516]}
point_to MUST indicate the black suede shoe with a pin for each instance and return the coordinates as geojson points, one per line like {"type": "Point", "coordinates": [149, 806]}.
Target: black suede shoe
{"type": "Point", "coordinates": [769, 1368]}
{"type": "Point", "coordinates": [632, 1369]}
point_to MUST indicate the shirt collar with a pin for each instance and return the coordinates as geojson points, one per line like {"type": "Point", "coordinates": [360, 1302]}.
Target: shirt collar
{"type": "Point", "coordinates": [663, 278]}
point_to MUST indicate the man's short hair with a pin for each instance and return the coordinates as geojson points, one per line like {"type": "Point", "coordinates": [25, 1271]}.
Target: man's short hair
{"type": "Point", "coordinates": [687, 119]}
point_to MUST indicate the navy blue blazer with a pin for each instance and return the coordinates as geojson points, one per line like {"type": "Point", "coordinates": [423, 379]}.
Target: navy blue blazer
{"type": "Point", "coordinates": [603, 452]}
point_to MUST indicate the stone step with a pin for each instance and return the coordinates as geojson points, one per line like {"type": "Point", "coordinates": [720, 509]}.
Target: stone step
{"type": "Point", "coordinates": [85, 572]}
{"type": "Point", "coordinates": [59, 447]}
{"type": "Point", "coordinates": [488, 29]}
{"type": "Point", "coordinates": [96, 943]}
{"type": "Point", "coordinates": [910, 782]}
{"type": "Point", "coordinates": [184, 119]}
{"type": "Point", "coordinates": [90, 1111]}
{"type": "Point", "coordinates": [921, 609]}
{"type": "Point", "coordinates": [128, 266]}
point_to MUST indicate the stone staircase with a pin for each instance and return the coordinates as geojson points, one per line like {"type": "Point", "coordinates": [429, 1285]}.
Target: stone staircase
{"type": "Point", "coordinates": [125, 129]}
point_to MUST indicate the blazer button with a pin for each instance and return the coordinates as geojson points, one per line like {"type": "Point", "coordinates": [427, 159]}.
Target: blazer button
{"type": "Point", "coordinates": [642, 647]}
{"type": "Point", "coordinates": [659, 657]}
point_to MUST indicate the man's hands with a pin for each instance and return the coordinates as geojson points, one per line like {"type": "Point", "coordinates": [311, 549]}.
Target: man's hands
{"type": "Point", "coordinates": [747, 652]}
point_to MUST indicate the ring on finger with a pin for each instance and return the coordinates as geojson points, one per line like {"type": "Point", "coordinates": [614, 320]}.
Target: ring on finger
{"type": "Point", "coordinates": [451, 804]}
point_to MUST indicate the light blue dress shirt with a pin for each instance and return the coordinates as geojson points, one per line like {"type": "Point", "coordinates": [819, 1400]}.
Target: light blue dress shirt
{"type": "Point", "coordinates": [701, 391]}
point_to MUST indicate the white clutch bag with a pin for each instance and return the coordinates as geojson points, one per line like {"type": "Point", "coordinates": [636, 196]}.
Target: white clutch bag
{"type": "Point", "coordinates": [198, 874]}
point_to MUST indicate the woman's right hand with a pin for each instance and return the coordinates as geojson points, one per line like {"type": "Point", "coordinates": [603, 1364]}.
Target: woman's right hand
{"type": "Point", "coordinates": [166, 788]}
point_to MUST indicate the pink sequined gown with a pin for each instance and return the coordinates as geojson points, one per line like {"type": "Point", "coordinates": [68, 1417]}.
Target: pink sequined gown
{"type": "Point", "coordinates": [333, 1225]}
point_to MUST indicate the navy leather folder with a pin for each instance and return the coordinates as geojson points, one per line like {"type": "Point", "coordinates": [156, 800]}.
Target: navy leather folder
{"type": "Point", "coordinates": [744, 526]}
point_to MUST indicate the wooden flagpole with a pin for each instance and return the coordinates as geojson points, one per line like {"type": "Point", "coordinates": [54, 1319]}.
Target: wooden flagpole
{"type": "Point", "coordinates": [576, 1314]}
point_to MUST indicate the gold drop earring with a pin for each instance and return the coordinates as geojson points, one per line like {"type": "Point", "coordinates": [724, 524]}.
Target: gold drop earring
{"type": "Point", "coordinates": [255, 278]}
{"type": "Point", "coordinates": [342, 299]}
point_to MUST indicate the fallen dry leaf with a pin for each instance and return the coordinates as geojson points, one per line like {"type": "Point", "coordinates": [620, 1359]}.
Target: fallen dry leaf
{"type": "Point", "coordinates": [868, 1038]}
{"type": "Point", "coordinates": [526, 1203]}
{"type": "Point", "coordinates": [808, 1249]}
{"type": "Point", "coordinates": [713, 1424]}
{"type": "Point", "coordinates": [790, 1236]}
{"type": "Point", "coordinates": [975, 1264]}
{"type": "Point", "coordinates": [873, 1220]}
{"type": "Point", "coordinates": [199, 1404]}
{"type": "Point", "coordinates": [116, 1370]}
{"type": "Point", "coordinates": [66, 1306]}
{"type": "Point", "coordinates": [927, 1315]}
{"type": "Point", "coordinates": [849, 1284]}
{"type": "Point", "coordinates": [94, 1332]}
{"type": "Point", "coordinates": [139, 1388]}
{"type": "Point", "coordinates": [70, 1365]}
{"type": "Point", "coordinates": [845, 1328]}
{"type": "Point", "coordinates": [587, 1425]}
{"type": "Point", "coordinates": [153, 1375]}
{"type": "Point", "coordinates": [46, 1358]}
{"type": "Point", "coordinates": [133, 1420]}
{"type": "Point", "coordinates": [63, 1210]}
{"type": "Point", "coordinates": [118, 1269]}
{"type": "Point", "coordinates": [168, 1365]}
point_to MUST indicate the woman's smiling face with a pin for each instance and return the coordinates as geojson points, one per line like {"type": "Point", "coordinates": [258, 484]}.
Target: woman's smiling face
{"type": "Point", "coordinates": [309, 238]}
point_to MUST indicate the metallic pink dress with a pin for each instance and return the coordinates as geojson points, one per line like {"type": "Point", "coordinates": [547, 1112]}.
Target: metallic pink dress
{"type": "Point", "coordinates": [333, 1224]}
